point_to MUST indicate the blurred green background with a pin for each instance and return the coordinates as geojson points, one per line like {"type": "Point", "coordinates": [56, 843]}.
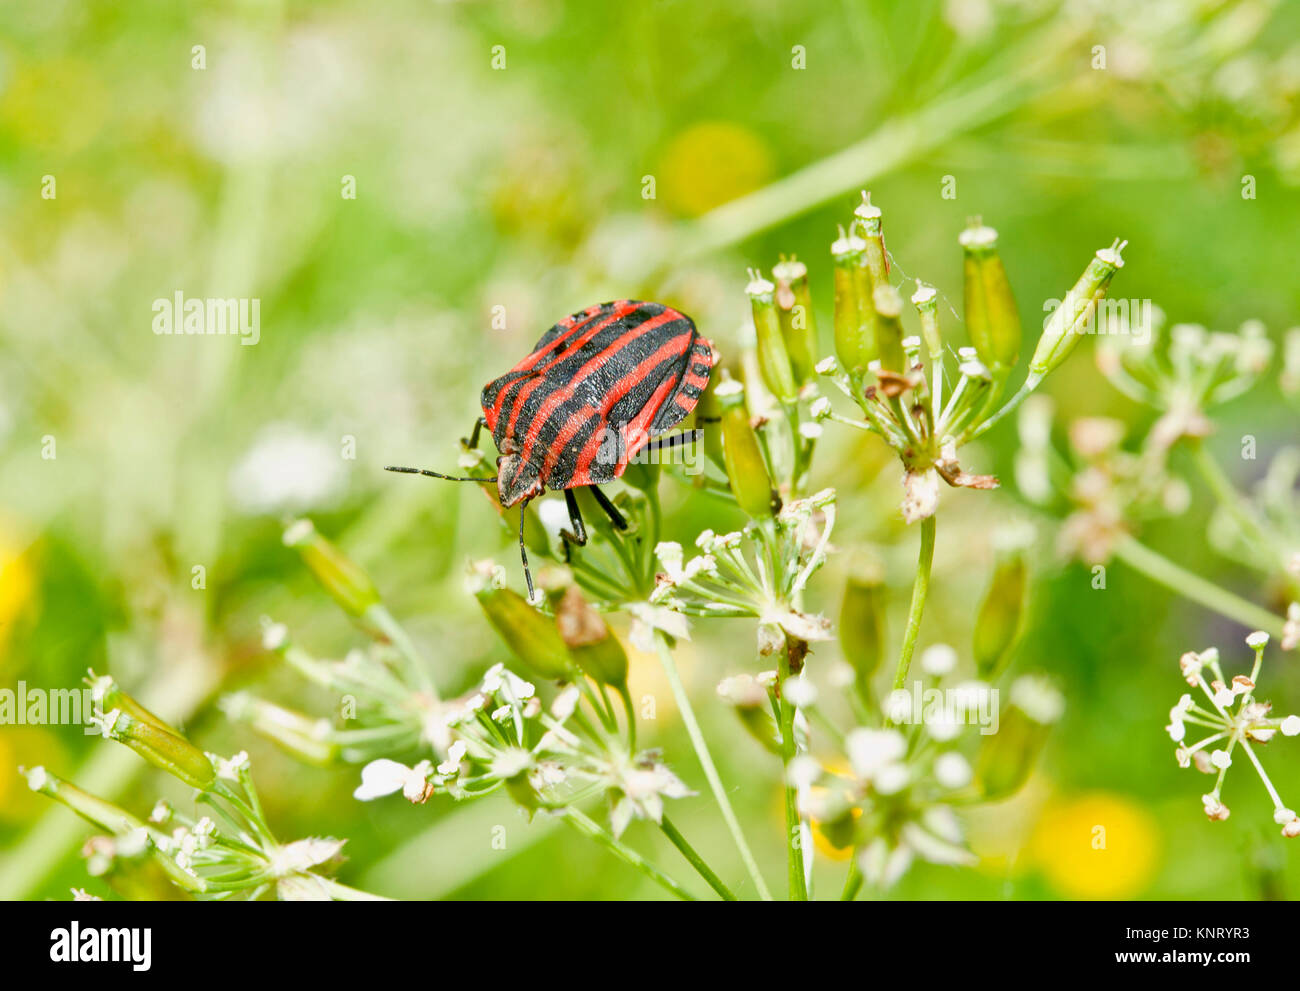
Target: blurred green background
{"type": "Point", "coordinates": [489, 202]}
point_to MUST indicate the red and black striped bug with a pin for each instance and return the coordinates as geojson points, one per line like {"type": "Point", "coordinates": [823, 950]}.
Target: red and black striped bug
{"type": "Point", "coordinates": [598, 388]}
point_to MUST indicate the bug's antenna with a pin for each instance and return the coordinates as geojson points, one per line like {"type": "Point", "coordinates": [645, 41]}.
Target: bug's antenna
{"type": "Point", "coordinates": [523, 551]}
{"type": "Point", "coordinates": [436, 474]}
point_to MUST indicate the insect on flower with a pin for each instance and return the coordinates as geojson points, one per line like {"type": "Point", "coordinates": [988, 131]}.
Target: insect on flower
{"type": "Point", "coordinates": [593, 392]}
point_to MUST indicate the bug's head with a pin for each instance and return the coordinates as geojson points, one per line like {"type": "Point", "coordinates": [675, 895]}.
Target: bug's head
{"type": "Point", "coordinates": [516, 480]}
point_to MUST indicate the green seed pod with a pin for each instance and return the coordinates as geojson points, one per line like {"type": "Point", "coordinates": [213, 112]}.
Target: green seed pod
{"type": "Point", "coordinates": [926, 301]}
{"type": "Point", "coordinates": [92, 808]}
{"type": "Point", "coordinates": [708, 417]}
{"type": "Point", "coordinates": [752, 705]}
{"type": "Point", "coordinates": [773, 361]}
{"type": "Point", "coordinates": [862, 623]}
{"type": "Point", "coordinates": [108, 695]}
{"type": "Point", "coordinates": [855, 336]}
{"type": "Point", "coordinates": [530, 635]}
{"type": "Point", "coordinates": [794, 309]}
{"type": "Point", "coordinates": [746, 469]}
{"type": "Point", "coordinates": [1007, 756]}
{"type": "Point", "coordinates": [991, 316]}
{"type": "Point", "coordinates": [889, 328]}
{"type": "Point", "coordinates": [998, 621]}
{"type": "Point", "coordinates": [304, 737]}
{"type": "Point", "coordinates": [592, 643]}
{"type": "Point", "coordinates": [1070, 321]}
{"type": "Point", "coordinates": [342, 578]}
{"type": "Point", "coordinates": [165, 750]}
{"type": "Point", "coordinates": [868, 219]}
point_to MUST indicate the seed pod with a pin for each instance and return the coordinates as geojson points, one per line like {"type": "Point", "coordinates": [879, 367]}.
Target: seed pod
{"type": "Point", "coordinates": [342, 578]}
{"type": "Point", "coordinates": [530, 634]}
{"type": "Point", "coordinates": [998, 621]}
{"type": "Point", "coordinates": [794, 309]}
{"type": "Point", "coordinates": [991, 316]}
{"type": "Point", "coordinates": [751, 702]}
{"type": "Point", "coordinates": [168, 751]}
{"type": "Point", "coordinates": [868, 219]}
{"type": "Point", "coordinates": [926, 301]}
{"type": "Point", "coordinates": [108, 695]}
{"type": "Point", "coordinates": [300, 735]}
{"type": "Point", "coordinates": [92, 808]}
{"type": "Point", "coordinates": [592, 643]}
{"type": "Point", "coordinates": [889, 328]}
{"type": "Point", "coordinates": [855, 332]}
{"type": "Point", "coordinates": [1008, 755]}
{"type": "Point", "coordinates": [708, 418]}
{"type": "Point", "coordinates": [773, 361]}
{"type": "Point", "coordinates": [746, 469]}
{"type": "Point", "coordinates": [1070, 321]}
{"type": "Point", "coordinates": [862, 623]}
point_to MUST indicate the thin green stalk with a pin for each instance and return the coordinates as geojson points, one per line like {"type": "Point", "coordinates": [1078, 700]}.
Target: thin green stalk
{"type": "Point", "coordinates": [1011, 406]}
{"type": "Point", "coordinates": [852, 883]}
{"type": "Point", "coordinates": [588, 828]}
{"type": "Point", "coordinates": [920, 589]}
{"type": "Point", "coordinates": [696, 861]}
{"type": "Point", "coordinates": [706, 762]}
{"type": "Point", "coordinates": [793, 842]}
{"type": "Point", "coordinates": [1236, 506]}
{"type": "Point", "coordinates": [1191, 586]}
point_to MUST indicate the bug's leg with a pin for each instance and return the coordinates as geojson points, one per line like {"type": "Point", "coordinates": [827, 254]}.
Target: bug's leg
{"type": "Point", "coordinates": [578, 538]}
{"type": "Point", "coordinates": [523, 551]}
{"type": "Point", "coordinates": [472, 441]}
{"type": "Point", "coordinates": [687, 437]}
{"type": "Point", "coordinates": [610, 509]}
{"type": "Point", "coordinates": [436, 474]}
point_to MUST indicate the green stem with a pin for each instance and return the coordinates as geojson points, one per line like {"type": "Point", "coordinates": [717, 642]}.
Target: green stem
{"type": "Point", "coordinates": [1011, 406]}
{"type": "Point", "coordinates": [1236, 506]}
{"type": "Point", "coordinates": [588, 828]}
{"type": "Point", "coordinates": [706, 762]}
{"type": "Point", "coordinates": [793, 827]}
{"type": "Point", "coordinates": [920, 589]}
{"type": "Point", "coordinates": [1163, 571]}
{"type": "Point", "coordinates": [696, 861]}
{"type": "Point", "coordinates": [852, 883]}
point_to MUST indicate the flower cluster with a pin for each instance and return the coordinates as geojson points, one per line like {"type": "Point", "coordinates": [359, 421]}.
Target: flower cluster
{"type": "Point", "coordinates": [1232, 718]}
{"type": "Point", "coordinates": [231, 853]}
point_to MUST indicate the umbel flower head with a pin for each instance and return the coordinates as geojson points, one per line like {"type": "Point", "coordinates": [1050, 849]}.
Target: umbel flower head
{"type": "Point", "coordinates": [1234, 723]}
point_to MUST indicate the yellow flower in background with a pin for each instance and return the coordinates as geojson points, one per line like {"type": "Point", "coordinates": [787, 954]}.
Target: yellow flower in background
{"type": "Point", "coordinates": [25, 746]}
{"type": "Point", "coordinates": [1097, 845]}
{"type": "Point", "coordinates": [16, 579]}
{"type": "Point", "coordinates": [709, 164]}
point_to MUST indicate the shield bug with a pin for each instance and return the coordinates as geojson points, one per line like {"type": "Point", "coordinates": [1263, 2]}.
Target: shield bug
{"type": "Point", "coordinates": [598, 387]}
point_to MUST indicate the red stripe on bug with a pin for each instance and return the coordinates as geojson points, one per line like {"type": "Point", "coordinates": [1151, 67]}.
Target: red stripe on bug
{"type": "Point", "coordinates": [536, 375]}
{"type": "Point", "coordinates": [667, 350]}
{"type": "Point", "coordinates": [564, 394]}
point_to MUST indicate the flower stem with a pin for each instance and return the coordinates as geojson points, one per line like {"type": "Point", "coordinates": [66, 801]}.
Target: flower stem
{"type": "Point", "coordinates": [1163, 571]}
{"type": "Point", "coordinates": [852, 883]}
{"type": "Point", "coordinates": [696, 861]}
{"type": "Point", "coordinates": [920, 589]}
{"type": "Point", "coordinates": [588, 828]}
{"type": "Point", "coordinates": [793, 827]}
{"type": "Point", "coordinates": [706, 761]}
